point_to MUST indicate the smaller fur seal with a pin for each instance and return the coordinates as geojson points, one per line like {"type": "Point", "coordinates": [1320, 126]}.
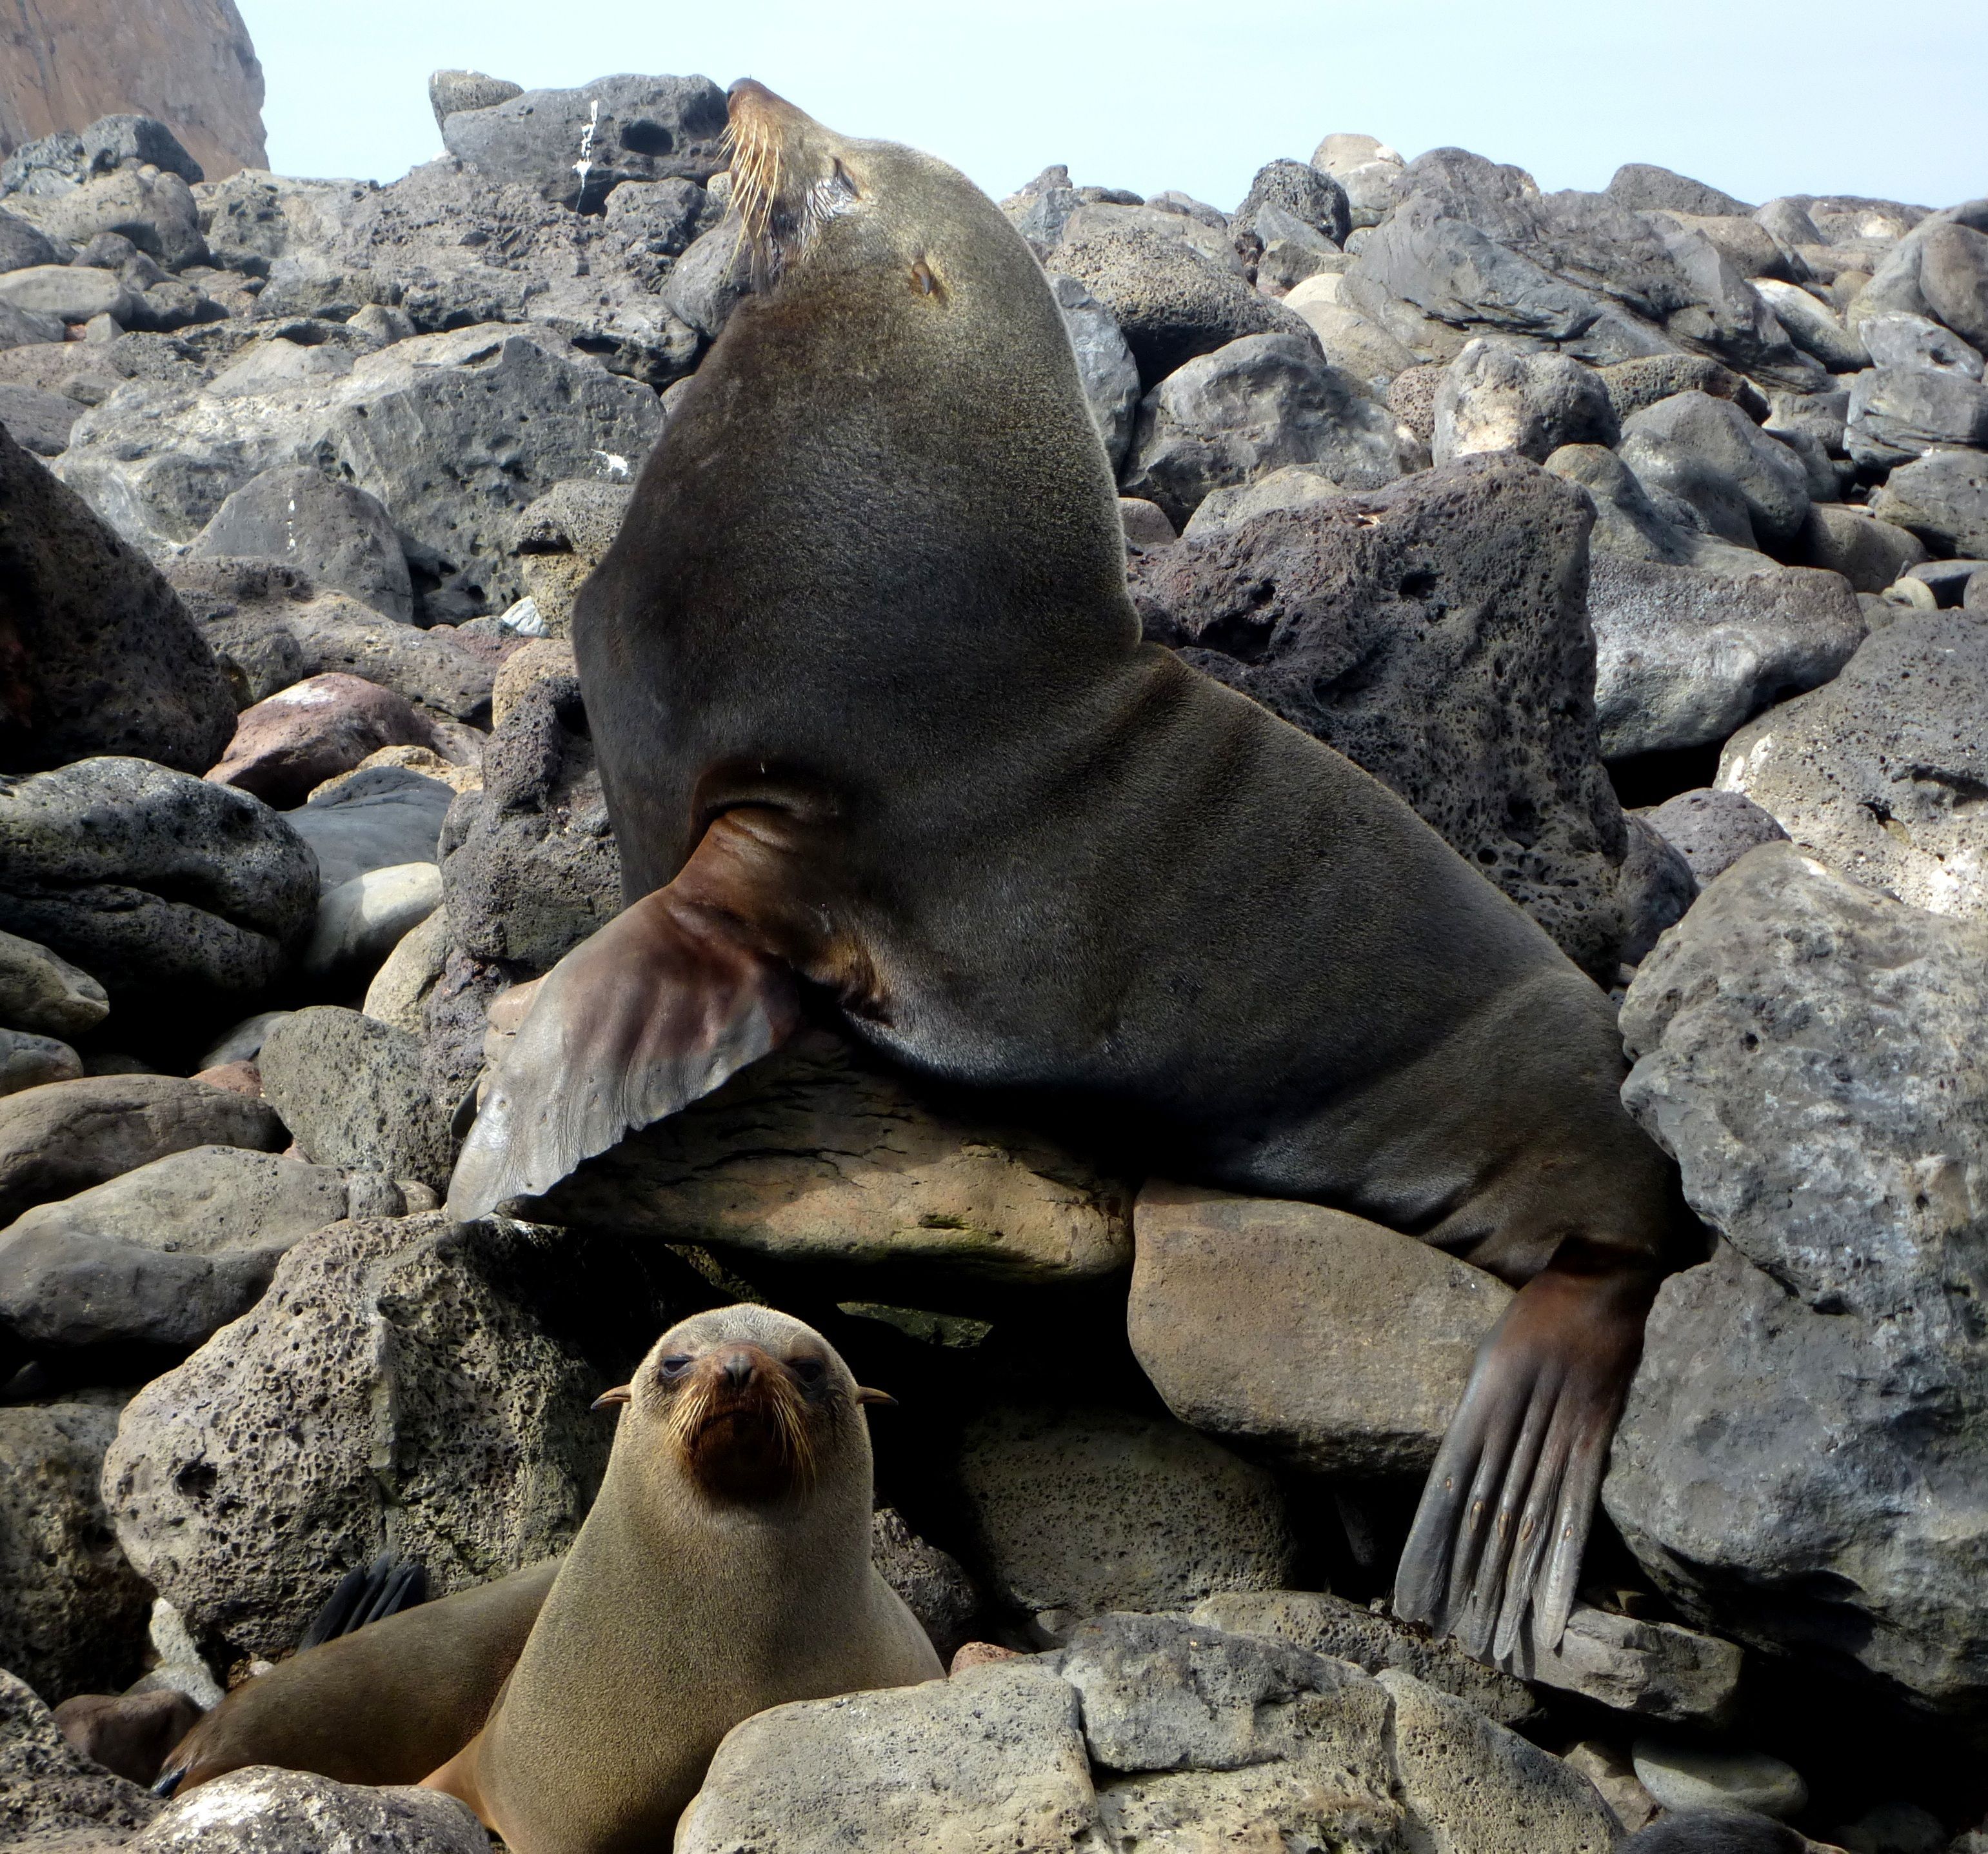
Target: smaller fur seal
{"type": "Point", "coordinates": [1715, 1831]}
{"type": "Point", "coordinates": [724, 1569]}
{"type": "Point", "coordinates": [385, 1704]}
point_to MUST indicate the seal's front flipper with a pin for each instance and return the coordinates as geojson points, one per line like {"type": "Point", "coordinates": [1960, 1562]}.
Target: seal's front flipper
{"type": "Point", "coordinates": [1498, 1538]}
{"type": "Point", "coordinates": [672, 996]}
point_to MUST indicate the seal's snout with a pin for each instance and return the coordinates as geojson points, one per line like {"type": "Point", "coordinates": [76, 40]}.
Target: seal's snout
{"type": "Point", "coordinates": [738, 1368]}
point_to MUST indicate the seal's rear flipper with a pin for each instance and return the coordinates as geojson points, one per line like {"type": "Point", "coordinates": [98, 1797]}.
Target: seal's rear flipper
{"type": "Point", "coordinates": [1498, 1538]}
{"type": "Point", "coordinates": [663, 1004]}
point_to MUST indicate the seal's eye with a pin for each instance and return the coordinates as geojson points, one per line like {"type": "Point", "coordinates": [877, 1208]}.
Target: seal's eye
{"type": "Point", "coordinates": [676, 1364]}
{"type": "Point", "coordinates": [840, 182]}
{"type": "Point", "coordinates": [810, 1371]}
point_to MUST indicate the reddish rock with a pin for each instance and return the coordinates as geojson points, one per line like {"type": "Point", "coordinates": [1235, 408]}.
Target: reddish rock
{"type": "Point", "coordinates": [63, 63]}
{"type": "Point", "coordinates": [978, 1654]}
{"type": "Point", "coordinates": [234, 1078]}
{"type": "Point", "coordinates": [292, 743]}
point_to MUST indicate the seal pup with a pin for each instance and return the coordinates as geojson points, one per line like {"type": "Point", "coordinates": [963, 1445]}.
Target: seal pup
{"type": "Point", "coordinates": [876, 725]}
{"type": "Point", "coordinates": [385, 1704]}
{"type": "Point", "coordinates": [724, 1568]}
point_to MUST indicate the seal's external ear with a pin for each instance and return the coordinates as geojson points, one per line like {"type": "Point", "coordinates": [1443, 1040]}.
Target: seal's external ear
{"type": "Point", "coordinates": [875, 1396]}
{"type": "Point", "coordinates": [619, 1395]}
{"type": "Point", "coordinates": [667, 1001]}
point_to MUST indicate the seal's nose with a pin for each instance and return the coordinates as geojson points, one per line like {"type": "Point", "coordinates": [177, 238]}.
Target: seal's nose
{"type": "Point", "coordinates": [738, 1370]}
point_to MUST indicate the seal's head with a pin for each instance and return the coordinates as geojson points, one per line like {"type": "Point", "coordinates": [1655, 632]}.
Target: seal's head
{"type": "Point", "coordinates": [746, 1405]}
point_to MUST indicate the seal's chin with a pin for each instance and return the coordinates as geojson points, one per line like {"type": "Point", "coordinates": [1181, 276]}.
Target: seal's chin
{"type": "Point", "coordinates": [787, 179]}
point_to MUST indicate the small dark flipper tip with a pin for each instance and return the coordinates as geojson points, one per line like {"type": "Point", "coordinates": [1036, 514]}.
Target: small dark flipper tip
{"type": "Point", "coordinates": [170, 1781]}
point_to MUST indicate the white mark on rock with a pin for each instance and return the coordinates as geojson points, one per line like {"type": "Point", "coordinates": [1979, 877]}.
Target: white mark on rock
{"type": "Point", "coordinates": [584, 166]}
{"type": "Point", "coordinates": [616, 467]}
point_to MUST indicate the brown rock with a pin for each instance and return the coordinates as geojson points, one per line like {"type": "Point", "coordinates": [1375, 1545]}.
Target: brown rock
{"type": "Point", "coordinates": [1339, 1346]}
{"type": "Point", "coordinates": [58, 1140]}
{"type": "Point", "coordinates": [233, 1078]}
{"type": "Point", "coordinates": [978, 1654]}
{"type": "Point", "coordinates": [64, 63]}
{"type": "Point", "coordinates": [287, 744]}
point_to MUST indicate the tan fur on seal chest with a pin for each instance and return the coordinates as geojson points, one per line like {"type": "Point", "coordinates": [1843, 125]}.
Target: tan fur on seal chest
{"type": "Point", "coordinates": [724, 1569]}
{"type": "Point", "coordinates": [874, 721]}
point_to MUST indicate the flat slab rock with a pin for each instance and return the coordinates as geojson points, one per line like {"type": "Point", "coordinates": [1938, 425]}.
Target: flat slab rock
{"type": "Point", "coordinates": [1411, 631]}
{"type": "Point", "coordinates": [818, 1156]}
{"type": "Point", "coordinates": [1335, 1345]}
{"type": "Point", "coordinates": [1148, 1731]}
{"type": "Point", "coordinates": [1800, 1463]}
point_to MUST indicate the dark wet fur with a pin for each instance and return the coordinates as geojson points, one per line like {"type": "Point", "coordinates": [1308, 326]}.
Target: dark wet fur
{"type": "Point", "coordinates": [1714, 1832]}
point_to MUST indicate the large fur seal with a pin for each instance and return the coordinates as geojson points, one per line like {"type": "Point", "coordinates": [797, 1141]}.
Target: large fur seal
{"type": "Point", "coordinates": [724, 1569]}
{"type": "Point", "coordinates": [876, 724]}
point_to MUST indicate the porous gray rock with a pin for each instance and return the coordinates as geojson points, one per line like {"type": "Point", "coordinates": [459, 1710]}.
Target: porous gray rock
{"type": "Point", "coordinates": [561, 538]}
{"type": "Point", "coordinates": [105, 659]}
{"type": "Point", "coordinates": [529, 867]}
{"type": "Point", "coordinates": [168, 890]}
{"type": "Point", "coordinates": [1171, 301]}
{"type": "Point", "coordinates": [399, 990]}
{"type": "Point", "coordinates": [1881, 771]}
{"type": "Point", "coordinates": [1750, 488]}
{"type": "Point", "coordinates": [36, 420]}
{"type": "Point", "coordinates": [1943, 498]}
{"type": "Point", "coordinates": [509, 412]}
{"type": "Point", "coordinates": [1813, 327]}
{"type": "Point", "coordinates": [333, 532]}
{"type": "Point", "coordinates": [1646, 188]}
{"type": "Point", "coordinates": [28, 1060]}
{"type": "Point", "coordinates": [1352, 340]}
{"type": "Point", "coordinates": [1498, 397]}
{"type": "Point", "coordinates": [65, 293]}
{"type": "Point", "coordinates": [1897, 413]}
{"type": "Point", "coordinates": [1798, 1462]}
{"type": "Point", "coordinates": [73, 1612]}
{"type": "Point", "coordinates": [1869, 553]}
{"type": "Point", "coordinates": [50, 1794]}
{"type": "Point", "coordinates": [1295, 486]}
{"type": "Point", "coordinates": [1682, 656]}
{"type": "Point", "coordinates": [449, 91]}
{"type": "Point", "coordinates": [575, 147]}
{"type": "Point", "coordinates": [1953, 277]}
{"type": "Point", "coordinates": [382, 818]}
{"type": "Point", "coordinates": [265, 1811]}
{"type": "Point", "coordinates": [1896, 340]}
{"type": "Point", "coordinates": [1256, 405]}
{"type": "Point", "coordinates": [1074, 1512]}
{"type": "Point", "coordinates": [351, 1091]}
{"type": "Point", "coordinates": [819, 1157]}
{"type": "Point", "coordinates": [1657, 886]}
{"type": "Point", "coordinates": [1371, 1640]}
{"type": "Point", "coordinates": [1712, 829]}
{"type": "Point", "coordinates": [1373, 622]}
{"type": "Point", "coordinates": [1108, 374]}
{"type": "Point", "coordinates": [935, 1589]}
{"type": "Point", "coordinates": [63, 1138]}
{"type": "Point", "coordinates": [154, 209]}
{"type": "Point", "coordinates": [166, 1253]}
{"type": "Point", "coordinates": [413, 1383]}
{"type": "Point", "coordinates": [1632, 521]}
{"type": "Point", "coordinates": [990, 1760]}
{"type": "Point", "coordinates": [1652, 1669]}
{"type": "Point", "coordinates": [41, 991]}
{"type": "Point", "coordinates": [1634, 384]}
{"type": "Point", "coordinates": [1234, 1300]}
{"type": "Point", "coordinates": [1309, 195]}
{"type": "Point", "coordinates": [21, 246]}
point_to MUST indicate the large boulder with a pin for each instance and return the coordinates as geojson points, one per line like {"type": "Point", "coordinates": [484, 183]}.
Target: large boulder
{"type": "Point", "coordinates": [65, 1137]}
{"type": "Point", "coordinates": [166, 1254]}
{"type": "Point", "coordinates": [292, 743]}
{"type": "Point", "coordinates": [454, 433]}
{"type": "Point", "coordinates": [101, 658]}
{"type": "Point", "coordinates": [175, 894]}
{"type": "Point", "coordinates": [1495, 397]}
{"type": "Point", "coordinates": [1347, 1350]}
{"type": "Point", "coordinates": [382, 818]}
{"type": "Point", "coordinates": [819, 1158]}
{"type": "Point", "coordinates": [1943, 498]}
{"type": "Point", "coordinates": [1406, 630]}
{"type": "Point", "coordinates": [1171, 301]}
{"type": "Point", "coordinates": [40, 991]}
{"type": "Point", "coordinates": [334, 531]}
{"type": "Point", "coordinates": [1075, 1512]}
{"type": "Point", "coordinates": [1108, 374]}
{"type": "Point", "coordinates": [1684, 657]}
{"type": "Point", "coordinates": [433, 1379]}
{"type": "Point", "coordinates": [1750, 487]}
{"type": "Point", "coordinates": [1800, 1463]}
{"type": "Point", "coordinates": [576, 145]}
{"type": "Point", "coordinates": [155, 210]}
{"type": "Point", "coordinates": [352, 1092]}
{"type": "Point", "coordinates": [1881, 771]}
{"type": "Point", "coordinates": [1254, 406]}
{"type": "Point", "coordinates": [73, 1612]}
{"type": "Point", "coordinates": [1899, 413]}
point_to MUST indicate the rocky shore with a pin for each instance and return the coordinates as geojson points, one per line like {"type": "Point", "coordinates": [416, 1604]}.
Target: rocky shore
{"type": "Point", "coordinates": [1639, 539]}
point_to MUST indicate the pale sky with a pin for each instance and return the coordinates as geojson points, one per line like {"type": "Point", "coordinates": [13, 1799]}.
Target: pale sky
{"type": "Point", "coordinates": [1760, 97]}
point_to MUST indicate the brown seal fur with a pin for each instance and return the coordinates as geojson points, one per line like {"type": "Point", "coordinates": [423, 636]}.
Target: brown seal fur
{"type": "Point", "coordinates": [876, 724]}
{"type": "Point", "coordinates": [385, 1704]}
{"type": "Point", "coordinates": [724, 1569]}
